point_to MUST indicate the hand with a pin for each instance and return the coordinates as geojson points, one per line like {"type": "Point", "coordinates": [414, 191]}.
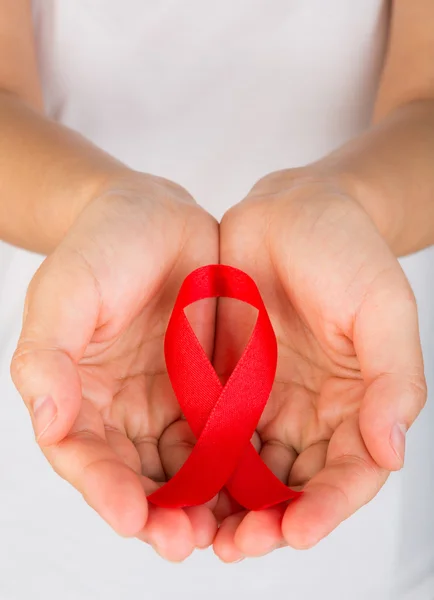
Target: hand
{"type": "Point", "coordinates": [350, 376]}
{"type": "Point", "coordinates": [90, 366]}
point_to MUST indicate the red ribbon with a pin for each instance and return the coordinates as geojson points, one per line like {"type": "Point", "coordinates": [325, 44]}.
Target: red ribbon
{"type": "Point", "coordinates": [223, 419]}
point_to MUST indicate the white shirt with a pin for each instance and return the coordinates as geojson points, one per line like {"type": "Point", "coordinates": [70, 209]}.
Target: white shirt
{"type": "Point", "coordinates": [212, 95]}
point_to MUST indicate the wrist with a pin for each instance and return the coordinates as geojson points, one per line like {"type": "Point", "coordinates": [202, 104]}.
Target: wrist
{"type": "Point", "coordinates": [129, 198]}
{"type": "Point", "coordinates": [387, 215]}
{"type": "Point", "coordinates": [74, 197]}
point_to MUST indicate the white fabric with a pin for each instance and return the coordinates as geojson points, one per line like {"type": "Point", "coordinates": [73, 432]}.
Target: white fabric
{"type": "Point", "coordinates": [212, 95]}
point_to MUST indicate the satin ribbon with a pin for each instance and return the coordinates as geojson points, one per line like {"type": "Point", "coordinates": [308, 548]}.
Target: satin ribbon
{"type": "Point", "coordinates": [223, 418]}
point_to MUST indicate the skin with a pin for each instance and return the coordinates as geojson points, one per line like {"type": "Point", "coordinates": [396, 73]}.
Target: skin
{"type": "Point", "coordinates": [90, 363]}
{"type": "Point", "coordinates": [321, 242]}
{"type": "Point", "coordinates": [350, 377]}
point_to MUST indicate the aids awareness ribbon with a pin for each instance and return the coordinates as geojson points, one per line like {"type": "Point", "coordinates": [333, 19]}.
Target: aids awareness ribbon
{"type": "Point", "coordinates": [222, 418]}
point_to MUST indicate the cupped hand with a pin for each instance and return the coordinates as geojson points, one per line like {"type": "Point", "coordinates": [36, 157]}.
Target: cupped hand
{"type": "Point", "coordinates": [350, 377]}
{"type": "Point", "coordinates": [90, 365]}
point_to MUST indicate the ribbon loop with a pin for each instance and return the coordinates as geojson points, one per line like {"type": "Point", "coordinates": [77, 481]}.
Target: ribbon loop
{"type": "Point", "coordinates": [222, 418]}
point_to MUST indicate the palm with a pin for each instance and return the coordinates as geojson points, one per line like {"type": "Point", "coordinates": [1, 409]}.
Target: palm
{"type": "Point", "coordinates": [92, 341]}
{"type": "Point", "coordinates": [315, 388]}
{"type": "Point", "coordinates": [329, 292]}
{"type": "Point", "coordinates": [117, 274]}
{"type": "Point", "coordinates": [128, 390]}
{"type": "Point", "coordinates": [315, 391]}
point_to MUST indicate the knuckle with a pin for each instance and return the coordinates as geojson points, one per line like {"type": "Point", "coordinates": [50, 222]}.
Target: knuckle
{"type": "Point", "coordinates": [419, 391]}
{"type": "Point", "coordinates": [19, 371]}
{"type": "Point", "coordinates": [18, 366]}
{"type": "Point", "coordinates": [22, 361]}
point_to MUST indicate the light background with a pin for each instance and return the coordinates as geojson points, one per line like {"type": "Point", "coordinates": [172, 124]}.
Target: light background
{"type": "Point", "coordinates": [212, 95]}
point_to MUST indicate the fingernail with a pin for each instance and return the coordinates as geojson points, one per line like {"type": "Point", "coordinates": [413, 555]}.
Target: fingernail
{"type": "Point", "coordinates": [44, 413]}
{"type": "Point", "coordinates": [397, 440]}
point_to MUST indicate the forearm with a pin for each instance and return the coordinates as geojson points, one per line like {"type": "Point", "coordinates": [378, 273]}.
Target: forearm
{"type": "Point", "coordinates": [389, 170]}
{"type": "Point", "coordinates": [48, 174]}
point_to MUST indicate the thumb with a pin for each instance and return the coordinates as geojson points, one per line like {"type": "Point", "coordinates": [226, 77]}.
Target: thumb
{"type": "Point", "coordinates": [388, 345]}
{"type": "Point", "coordinates": [60, 317]}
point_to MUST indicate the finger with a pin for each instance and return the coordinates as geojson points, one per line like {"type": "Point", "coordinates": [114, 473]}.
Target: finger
{"type": "Point", "coordinates": [175, 446]}
{"type": "Point", "coordinates": [279, 458]}
{"type": "Point", "coordinates": [124, 448]}
{"type": "Point", "coordinates": [112, 489]}
{"type": "Point", "coordinates": [224, 544]}
{"type": "Point", "coordinates": [170, 533]}
{"type": "Point", "coordinates": [150, 461]}
{"type": "Point", "coordinates": [349, 480]}
{"type": "Point", "coordinates": [390, 406]}
{"type": "Point", "coordinates": [386, 338]}
{"type": "Point", "coordinates": [203, 524]}
{"type": "Point", "coordinates": [308, 464]}
{"type": "Point", "coordinates": [260, 532]}
{"type": "Point", "coordinates": [225, 506]}
{"type": "Point", "coordinates": [84, 459]}
{"type": "Point", "coordinates": [61, 314]}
